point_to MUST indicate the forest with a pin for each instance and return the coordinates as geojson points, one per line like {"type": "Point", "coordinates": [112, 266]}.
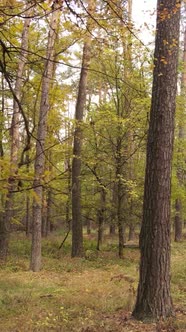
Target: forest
{"type": "Point", "coordinates": [92, 166]}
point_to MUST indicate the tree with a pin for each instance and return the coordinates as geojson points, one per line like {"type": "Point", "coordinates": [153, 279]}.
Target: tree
{"type": "Point", "coordinates": [5, 220]}
{"type": "Point", "coordinates": [180, 153]}
{"type": "Point", "coordinates": [77, 233]}
{"type": "Point", "coordinates": [153, 297]}
{"type": "Point", "coordinates": [35, 263]}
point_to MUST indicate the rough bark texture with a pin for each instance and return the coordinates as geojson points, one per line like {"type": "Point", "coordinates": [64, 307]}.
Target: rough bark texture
{"type": "Point", "coordinates": [35, 263]}
{"type": "Point", "coordinates": [77, 227]}
{"type": "Point", "coordinates": [5, 218]}
{"type": "Point", "coordinates": [153, 297]}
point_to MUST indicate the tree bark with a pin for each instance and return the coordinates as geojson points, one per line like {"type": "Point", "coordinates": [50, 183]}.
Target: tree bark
{"type": "Point", "coordinates": [35, 263]}
{"type": "Point", "coordinates": [181, 136]}
{"type": "Point", "coordinates": [77, 226]}
{"type": "Point", "coordinates": [153, 297]}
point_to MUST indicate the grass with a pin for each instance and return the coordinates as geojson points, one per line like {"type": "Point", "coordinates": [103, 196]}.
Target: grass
{"type": "Point", "coordinates": [85, 295]}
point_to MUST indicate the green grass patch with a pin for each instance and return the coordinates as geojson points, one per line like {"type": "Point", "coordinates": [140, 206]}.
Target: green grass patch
{"type": "Point", "coordinates": [95, 293]}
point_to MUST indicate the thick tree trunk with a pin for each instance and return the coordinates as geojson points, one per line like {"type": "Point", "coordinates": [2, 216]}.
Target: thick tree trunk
{"type": "Point", "coordinates": [35, 263]}
{"type": "Point", "coordinates": [153, 297]}
{"type": "Point", "coordinates": [77, 226]}
{"type": "Point", "coordinates": [5, 220]}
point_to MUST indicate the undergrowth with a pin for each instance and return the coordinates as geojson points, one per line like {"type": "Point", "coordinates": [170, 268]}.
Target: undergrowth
{"type": "Point", "coordinates": [95, 293]}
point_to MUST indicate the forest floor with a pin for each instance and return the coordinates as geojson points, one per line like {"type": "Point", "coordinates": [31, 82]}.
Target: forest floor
{"type": "Point", "coordinates": [92, 294]}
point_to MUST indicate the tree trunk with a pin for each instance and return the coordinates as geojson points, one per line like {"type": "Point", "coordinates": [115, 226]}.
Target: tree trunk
{"type": "Point", "coordinates": [153, 297]}
{"type": "Point", "coordinates": [5, 220]}
{"type": "Point", "coordinates": [132, 235]}
{"type": "Point", "coordinates": [101, 217]}
{"type": "Point", "coordinates": [77, 226]}
{"type": "Point", "coordinates": [35, 263]}
{"type": "Point", "coordinates": [178, 221]}
{"type": "Point", "coordinates": [120, 193]}
{"type": "Point", "coordinates": [49, 211]}
{"type": "Point", "coordinates": [181, 149]}
{"type": "Point", "coordinates": [2, 115]}
{"type": "Point", "coordinates": [28, 226]}
{"type": "Point", "coordinates": [44, 229]}
{"type": "Point", "coordinates": [112, 229]}
{"type": "Point", "coordinates": [27, 222]}
{"type": "Point", "coordinates": [88, 226]}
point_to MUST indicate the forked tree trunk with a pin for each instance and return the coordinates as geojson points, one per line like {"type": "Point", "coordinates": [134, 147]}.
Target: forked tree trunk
{"type": "Point", "coordinates": [77, 226]}
{"type": "Point", "coordinates": [153, 297]}
{"type": "Point", "coordinates": [35, 263]}
{"type": "Point", "coordinates": [5, 220]}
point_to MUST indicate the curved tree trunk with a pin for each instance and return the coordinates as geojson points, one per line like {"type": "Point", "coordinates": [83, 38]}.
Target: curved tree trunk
{"type": "Point", "coordinates": [153, 297]}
